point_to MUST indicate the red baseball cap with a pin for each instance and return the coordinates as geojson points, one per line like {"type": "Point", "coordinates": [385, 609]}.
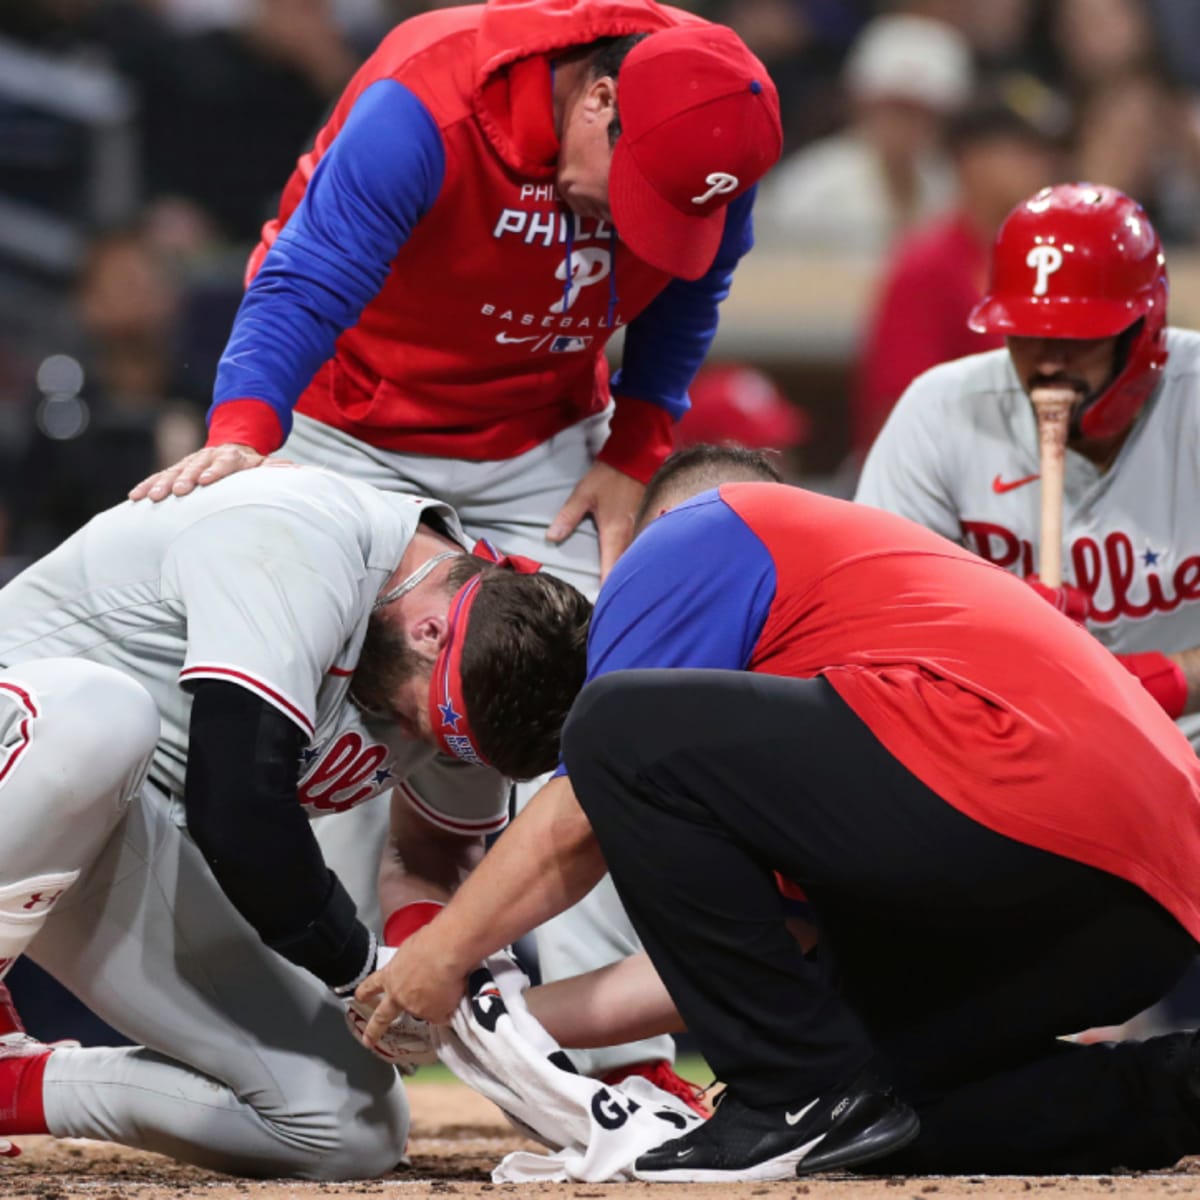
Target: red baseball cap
{"type": "Point", "coordinates": [699, 125]}
{"type": "Point", "coordinates": [739, 403]}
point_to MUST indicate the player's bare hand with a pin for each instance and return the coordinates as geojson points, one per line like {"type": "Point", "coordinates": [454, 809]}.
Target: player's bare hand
{"type": "Point", "coordinates": [205, 466]}
{"type": "Point", "coordinates": [611, 498]}
{"type": "Point", "coordinates": [420, 980]}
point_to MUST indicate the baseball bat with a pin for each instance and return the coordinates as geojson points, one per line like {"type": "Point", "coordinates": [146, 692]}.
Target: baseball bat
{"type": "Point", "coordinates": [1053, 408]}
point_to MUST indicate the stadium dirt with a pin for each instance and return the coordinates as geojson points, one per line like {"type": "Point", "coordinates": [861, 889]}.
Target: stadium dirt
{"type": "Point", "coordinates": [458, 1137]}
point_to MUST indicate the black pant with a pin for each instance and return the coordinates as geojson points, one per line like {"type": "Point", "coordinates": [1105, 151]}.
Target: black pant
{"type": "Point", "coordinates": [951, 956]}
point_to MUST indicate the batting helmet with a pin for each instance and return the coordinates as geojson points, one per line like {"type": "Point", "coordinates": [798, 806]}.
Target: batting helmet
{"type": "Point", "coordinates": [1083, 261]}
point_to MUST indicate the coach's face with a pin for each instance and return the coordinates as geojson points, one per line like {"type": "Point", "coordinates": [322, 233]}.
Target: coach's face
{"type": "Point", "coordinates": [1084, 364]}
{"type": "Point", "coordinates": [585, 152]}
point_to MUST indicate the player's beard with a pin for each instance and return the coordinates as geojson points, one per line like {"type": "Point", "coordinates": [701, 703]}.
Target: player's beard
{"type": "Point", "coordinates": [387, 661]}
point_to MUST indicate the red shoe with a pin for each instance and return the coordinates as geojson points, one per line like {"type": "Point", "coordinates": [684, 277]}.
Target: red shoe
{"type": "Point", "coordinates": [662, 1074]}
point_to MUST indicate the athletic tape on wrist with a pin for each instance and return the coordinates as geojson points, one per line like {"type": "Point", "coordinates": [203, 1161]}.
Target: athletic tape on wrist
{"type": "Point", "coordinates": [1162, 677]}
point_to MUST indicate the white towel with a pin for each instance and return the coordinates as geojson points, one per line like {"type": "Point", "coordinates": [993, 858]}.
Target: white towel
{"type": "Point", "coordinates": [594, 1130]}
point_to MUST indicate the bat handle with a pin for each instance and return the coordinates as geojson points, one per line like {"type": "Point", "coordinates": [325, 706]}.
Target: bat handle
{"type": "Point", "coordinates": [1050, 552]}
{"type": "Point", "coordinates": [1053, 408]}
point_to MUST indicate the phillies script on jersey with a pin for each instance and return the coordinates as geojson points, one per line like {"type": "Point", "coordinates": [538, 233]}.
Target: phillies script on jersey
{"type": "Point", "coordinates": [964, 436]}
{"type": "Point", "coordinates": [1122, 581]}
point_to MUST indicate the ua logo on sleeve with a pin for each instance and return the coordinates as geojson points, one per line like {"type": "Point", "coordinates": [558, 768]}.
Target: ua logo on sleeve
{"type": "Point", "coordinates": [1045, 260]}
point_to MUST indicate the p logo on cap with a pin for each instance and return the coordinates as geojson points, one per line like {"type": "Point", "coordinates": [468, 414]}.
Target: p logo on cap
{"type": "Point", "coordinates": [718, 184]}
{"type": "Point", "coordinates": [699, 126]}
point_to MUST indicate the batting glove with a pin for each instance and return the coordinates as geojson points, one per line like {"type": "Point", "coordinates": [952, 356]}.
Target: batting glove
{"type": "Point", "coordinates": [407, 1043]}
{"type": "Point", "coordinates": [1162, 677]}
{"type": "Point", "coordinates": [1072, 602]}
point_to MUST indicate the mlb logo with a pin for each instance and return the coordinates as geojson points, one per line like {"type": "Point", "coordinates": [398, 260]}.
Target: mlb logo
{"type": "Point", "coordinates": [564, 344]}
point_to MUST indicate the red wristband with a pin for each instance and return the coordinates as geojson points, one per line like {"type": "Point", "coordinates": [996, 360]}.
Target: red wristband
{"type": "Point", "coordinates": [640, 437]}
{"type": "Point", "coordinates": [245, 422]}
{"type": "Point", "coordinates": [1071, 601]}
{"type": "Point", "coordinates": [1162, 677]}
{"type": "Point", "coordinates": [407, 919]}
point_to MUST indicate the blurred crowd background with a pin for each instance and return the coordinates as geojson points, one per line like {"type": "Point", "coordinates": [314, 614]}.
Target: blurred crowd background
{"type": "Point", "coordinates": [143, 143]}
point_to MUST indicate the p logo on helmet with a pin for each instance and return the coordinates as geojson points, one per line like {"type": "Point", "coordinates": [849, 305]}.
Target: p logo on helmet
{"type": "Point", "coordinates": [1045, 260]}
{"type": "Point", "coordinates": [1098, 272]}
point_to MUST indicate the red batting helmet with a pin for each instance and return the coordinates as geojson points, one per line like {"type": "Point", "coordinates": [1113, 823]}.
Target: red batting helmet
{"type": "Point", "coordinates": [1083, 261]}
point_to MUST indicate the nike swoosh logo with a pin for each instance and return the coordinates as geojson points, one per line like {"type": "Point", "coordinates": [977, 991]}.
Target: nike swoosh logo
{"type": "Point", "coordinates": [1000, 486]}
{"type": "Point", "coordinates": [796, 1117]}
{"type": "Point", "coordinates": [685, 1153]}
{"type": "Point", "coordinates": [504, 339]}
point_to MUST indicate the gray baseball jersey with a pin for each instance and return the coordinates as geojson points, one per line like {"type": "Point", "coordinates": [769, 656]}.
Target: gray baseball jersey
{"type": "Point", "coordinates": [265, 580]}
{"type": "Point", "coordinates": [959, 454]}
{"type": "Point", "coordinates": [511, 502]}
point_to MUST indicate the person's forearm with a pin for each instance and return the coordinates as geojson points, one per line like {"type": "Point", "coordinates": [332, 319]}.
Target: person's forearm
{"type": "Point", "coordinates": [623, 1002]}
{"type": "Point", "coordinates": [243, 814]}
{"type": "Point", "coordinates": [401, 884]}
{"type": "Point", "coordinates": [547, 860]}
{"type": "Point", "coordinates": [420, 861]}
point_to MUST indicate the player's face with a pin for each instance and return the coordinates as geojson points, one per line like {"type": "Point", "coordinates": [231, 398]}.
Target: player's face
{"type": "Point", "coordinates": [585, 153]}
{"type": "Point", "coordinates": [391, 680]}
{"type": "Point", "coordinates": [1085, 364]}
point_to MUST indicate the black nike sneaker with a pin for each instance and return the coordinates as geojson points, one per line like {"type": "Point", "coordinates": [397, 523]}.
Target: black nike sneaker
{"type": "Point", "coordinates": [840, 1129]}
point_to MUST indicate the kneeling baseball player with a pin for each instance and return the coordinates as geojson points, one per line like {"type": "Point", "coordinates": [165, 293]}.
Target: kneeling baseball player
{"type": "Point", "coordinates": [181, 688]}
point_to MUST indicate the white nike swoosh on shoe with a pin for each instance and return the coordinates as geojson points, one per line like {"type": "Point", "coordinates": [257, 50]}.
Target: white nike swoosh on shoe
{"type": "Point", "coordinates": [796, 1117]}
{"type": "Point", "coordinates": [773, 1170]}
{"type": "Point", "coordinates": [685, 1153]}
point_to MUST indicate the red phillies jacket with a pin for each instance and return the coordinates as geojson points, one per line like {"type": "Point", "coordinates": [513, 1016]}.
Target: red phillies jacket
{"type": "Point", "coordinates": [423, 286]}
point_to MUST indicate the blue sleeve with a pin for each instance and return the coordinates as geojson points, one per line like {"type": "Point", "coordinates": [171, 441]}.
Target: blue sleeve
{"type": "Point", "coordinates": [666, 343]}
{"type": "Point", "coordinates": [694, 590]}
{"type": "Point", "coordinates": [377, 179]}
{"type": "Point", "coordinates": [657, 609]}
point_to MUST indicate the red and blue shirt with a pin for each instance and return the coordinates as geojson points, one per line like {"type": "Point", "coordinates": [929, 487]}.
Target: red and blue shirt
{"type": "Point", "coordinates": [1008, 711]}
